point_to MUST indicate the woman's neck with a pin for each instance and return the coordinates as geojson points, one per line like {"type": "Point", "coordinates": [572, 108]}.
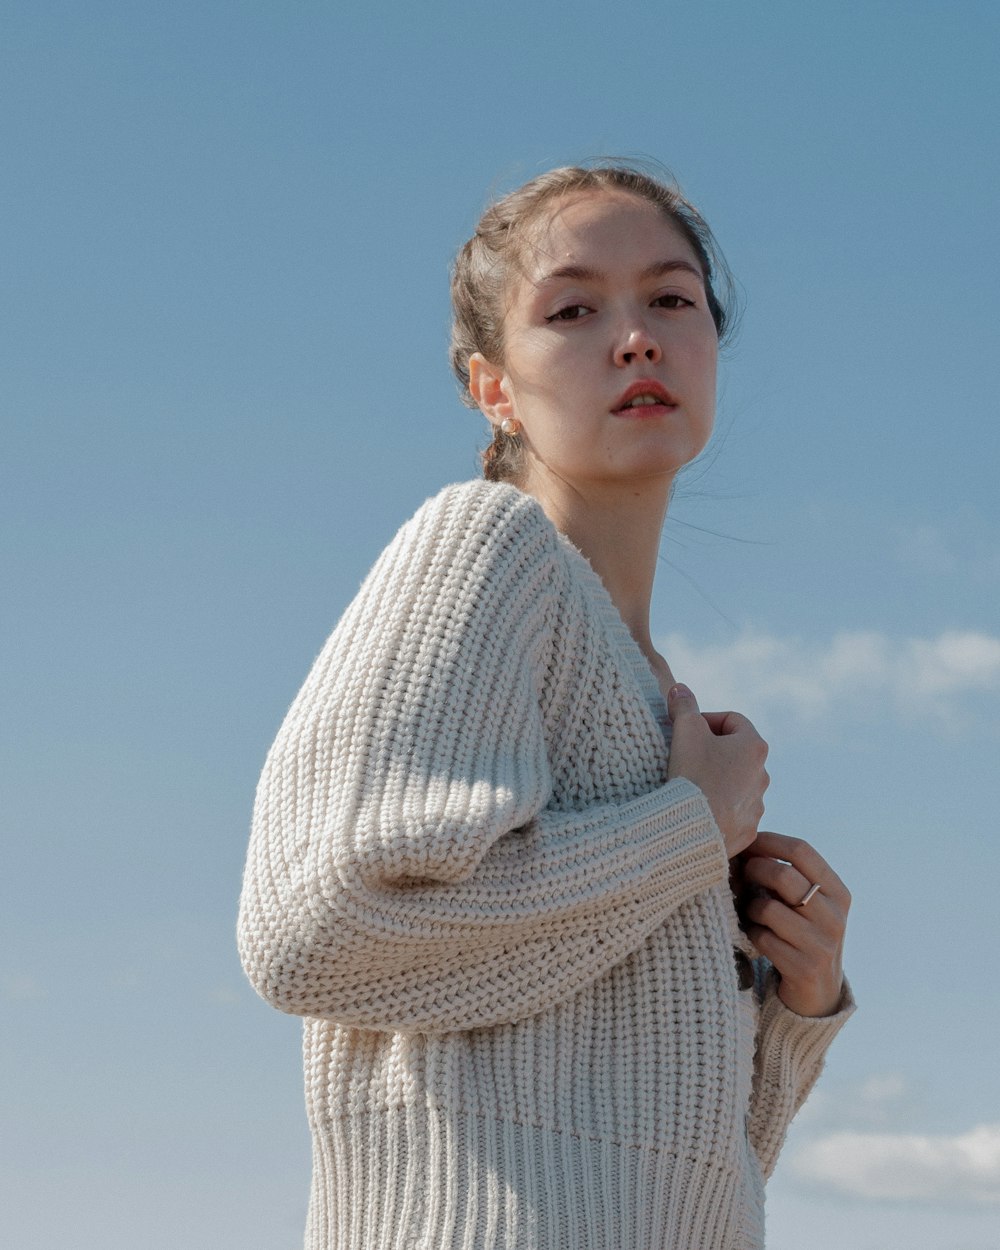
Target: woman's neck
{"type": "Point", "coordinates": [618, 530]}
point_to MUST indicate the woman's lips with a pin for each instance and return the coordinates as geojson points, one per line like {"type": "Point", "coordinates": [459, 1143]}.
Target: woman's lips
{"type": "Point", "coordinates": [645, 411]}
{"type": "Point", "coordinates": [644, 391]}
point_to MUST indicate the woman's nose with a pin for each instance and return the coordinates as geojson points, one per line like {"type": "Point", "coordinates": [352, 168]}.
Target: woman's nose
{"type": "Point", "coordinates": [637, 344]}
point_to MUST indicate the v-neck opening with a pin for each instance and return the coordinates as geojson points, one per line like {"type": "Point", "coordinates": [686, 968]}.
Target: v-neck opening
{"type": "Point", "coordinates": [626, 646]}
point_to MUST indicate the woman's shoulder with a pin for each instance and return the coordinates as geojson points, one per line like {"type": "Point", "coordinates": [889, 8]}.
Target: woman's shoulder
{"type": "Point", "coordinates": [479, 561]}
{"type": "Point", "coordinates": [478, 523]}
{"type": "Point", "coordinates": [484, 503]}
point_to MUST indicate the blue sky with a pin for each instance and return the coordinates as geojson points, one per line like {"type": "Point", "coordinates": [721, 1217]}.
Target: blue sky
{"type": "Point", "coordinates": [223, 385]}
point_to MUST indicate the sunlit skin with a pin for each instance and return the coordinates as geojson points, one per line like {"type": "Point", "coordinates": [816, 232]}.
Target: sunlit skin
{"type": "Point", "coordinates": [611, 300]}
{"type": "Point", "coordinates": [612, 294]}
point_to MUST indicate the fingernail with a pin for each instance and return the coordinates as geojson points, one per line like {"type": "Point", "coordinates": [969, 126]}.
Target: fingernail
{"type": "Point", "coordinates": [679, 691]}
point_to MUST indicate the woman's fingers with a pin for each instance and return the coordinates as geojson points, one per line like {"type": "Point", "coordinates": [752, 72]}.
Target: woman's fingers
{"type": "Point", "coordinates": [799, 928]}
{"type": "Point", "coordinates": [772, 855]}
{"type": "Point", "coordinates": [681, 702]}
{"type": "Point", "coordinates": [724, 756]}
{"type": "Point", "coordinates": [819, 927]}
{"type": "Point", "coordinates": [723, 723]}
{"type": "Point", "coordinates": [788, 887]}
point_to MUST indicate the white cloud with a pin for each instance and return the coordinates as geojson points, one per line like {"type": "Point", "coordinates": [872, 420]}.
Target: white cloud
{"type": "Point", "coordinates": [905, 1167]}
{"type": "Point", "coordinates": [761, 673]}
{"type": "Point", "coordinates": [955, 661]}
{"type": "Point", "coordinates": [881, 1102]}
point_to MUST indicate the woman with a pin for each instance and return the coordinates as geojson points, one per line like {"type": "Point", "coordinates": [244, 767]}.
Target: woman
{"type": "Point", "coordinates": [502, 905]}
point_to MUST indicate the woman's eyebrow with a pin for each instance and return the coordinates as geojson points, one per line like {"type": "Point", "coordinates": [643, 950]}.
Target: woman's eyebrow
{"type": "Point", "coordinates": [581, 273]}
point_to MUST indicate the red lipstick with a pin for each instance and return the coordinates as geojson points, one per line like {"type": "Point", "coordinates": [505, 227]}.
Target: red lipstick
{"type": "Point", "coordinates": [650, 389]}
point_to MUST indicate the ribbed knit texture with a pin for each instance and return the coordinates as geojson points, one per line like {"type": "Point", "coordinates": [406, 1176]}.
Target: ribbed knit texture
{"type": "Point", "coordinates": [511, 936]}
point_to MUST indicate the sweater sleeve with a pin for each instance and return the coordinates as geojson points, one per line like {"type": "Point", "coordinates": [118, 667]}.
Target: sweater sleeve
{"type": "Point", "coordinates": [789, 1058]}
{"type": "Point", "coordinates": [405, 870]}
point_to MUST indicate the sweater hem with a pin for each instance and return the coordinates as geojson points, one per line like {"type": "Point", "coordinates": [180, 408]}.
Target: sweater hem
{"type": "Point", "coordinates": [428, 1179]}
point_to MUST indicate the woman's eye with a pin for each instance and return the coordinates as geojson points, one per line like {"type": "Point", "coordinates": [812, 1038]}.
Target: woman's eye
{"type": "Point", "coordinates": [572, 312]}
{"type": "Point", "coordinates": [673, 301]}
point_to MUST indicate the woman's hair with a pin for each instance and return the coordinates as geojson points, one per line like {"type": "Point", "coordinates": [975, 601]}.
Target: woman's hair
{"type": "Point", "coordinates": [484, 265]}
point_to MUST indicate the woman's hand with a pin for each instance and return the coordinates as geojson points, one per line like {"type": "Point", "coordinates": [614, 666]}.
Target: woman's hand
{"type": "Point", "coordinates": [804, 940]}
{"type": "Point", "coordinates": [724, 756]}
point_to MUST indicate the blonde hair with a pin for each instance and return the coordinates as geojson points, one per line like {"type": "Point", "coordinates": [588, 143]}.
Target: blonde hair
{"type": "Point", "coordinates": [483, 267]}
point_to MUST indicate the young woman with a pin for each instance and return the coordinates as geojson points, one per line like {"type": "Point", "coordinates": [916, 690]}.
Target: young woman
{"type": "Point", "coordinates": [490, 862]}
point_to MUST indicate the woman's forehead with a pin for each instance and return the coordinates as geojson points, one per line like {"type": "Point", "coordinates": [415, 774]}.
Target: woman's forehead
{"type": "Point", "coordinates": [606, 227]}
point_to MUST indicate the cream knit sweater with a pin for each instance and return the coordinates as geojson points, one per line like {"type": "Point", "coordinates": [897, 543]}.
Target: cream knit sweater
{"type": "Point", "coordinates": [511, 937]}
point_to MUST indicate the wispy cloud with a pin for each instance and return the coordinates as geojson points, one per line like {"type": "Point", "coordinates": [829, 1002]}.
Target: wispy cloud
{"type": "Point", "coordinates": [882, 1101]}
{"type": "Point", "coordinates": [21, 987]}
{"type": "Point", "coordinates": [790, 677]}
{"type": "Point", "coordinates": [905, 1167]}
{"type": "Point", "coordinates": [224, 996]}
{"type": "Point", "coordinates": [964, 547]}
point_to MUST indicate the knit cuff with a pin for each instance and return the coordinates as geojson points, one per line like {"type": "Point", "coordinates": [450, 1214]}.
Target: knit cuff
{"type": "Point", "coordinates": [790, 1043]}
{"type": "Point", "coordinates": [696, 861]}
{"type": "Point", "coordinates": [790, 1053]}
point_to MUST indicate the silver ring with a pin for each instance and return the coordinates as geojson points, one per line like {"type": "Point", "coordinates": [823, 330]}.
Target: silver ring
{"type": "Point", "coordinates": [813, 889]}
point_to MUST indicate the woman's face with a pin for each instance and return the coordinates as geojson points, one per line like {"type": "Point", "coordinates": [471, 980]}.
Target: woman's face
{"type": "Point", "coordinates": [610, 347]}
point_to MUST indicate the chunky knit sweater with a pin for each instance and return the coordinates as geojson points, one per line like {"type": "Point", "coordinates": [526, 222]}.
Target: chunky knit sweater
{"type": "Point", "coordinates": [511, 936]}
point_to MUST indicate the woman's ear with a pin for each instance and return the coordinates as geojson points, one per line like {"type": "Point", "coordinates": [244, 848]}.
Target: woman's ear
{"type": "Point", "coordinates": [490, 388]}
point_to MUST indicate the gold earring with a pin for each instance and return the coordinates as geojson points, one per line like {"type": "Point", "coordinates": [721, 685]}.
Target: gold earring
{"type": "Point", "coordinates": [510, 426]}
